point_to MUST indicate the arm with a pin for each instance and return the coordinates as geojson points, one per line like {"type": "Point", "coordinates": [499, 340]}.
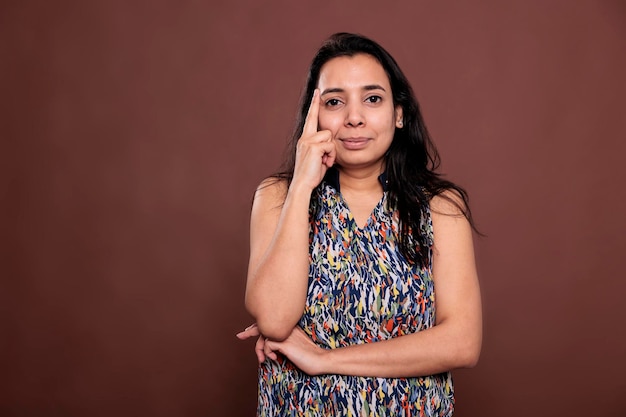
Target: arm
{"type": "Point", "coordinates": [279, 258]}
{"type": "Point", "coordinates": [454, 342]}
{"type": "Point", "coordinates": [279, 235]}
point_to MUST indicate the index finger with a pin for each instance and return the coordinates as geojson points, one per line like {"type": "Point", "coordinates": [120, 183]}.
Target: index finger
{"type": "Point", "coordinates": [310, 123]}
{"type": "Point", "coordinates": [250, 331]}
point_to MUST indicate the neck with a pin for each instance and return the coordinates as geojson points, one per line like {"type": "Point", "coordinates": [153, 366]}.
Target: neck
{"type": "Point", "coordinates": [360, 179]}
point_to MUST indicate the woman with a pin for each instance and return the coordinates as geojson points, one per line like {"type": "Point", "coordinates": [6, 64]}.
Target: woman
{"type": "Point", "coordinates": [350, 247]}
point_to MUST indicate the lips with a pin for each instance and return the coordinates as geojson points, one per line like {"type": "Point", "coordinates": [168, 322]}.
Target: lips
{"type": "Point", "coordinates": [356, 139]}
{"type": "Point", "coordinates": [355, 143]}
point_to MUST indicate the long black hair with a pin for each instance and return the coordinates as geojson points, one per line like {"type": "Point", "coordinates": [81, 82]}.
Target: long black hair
{"type": "Point", "coordinates": [411, 160]}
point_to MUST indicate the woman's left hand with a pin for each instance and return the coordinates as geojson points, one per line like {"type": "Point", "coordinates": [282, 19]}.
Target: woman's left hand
{"type": "Point", "coordinates": [298, 348]}
{"type": "Point", "coordinates": [259, 348]}
{"type": "Point", "coordinates": [301, 351]}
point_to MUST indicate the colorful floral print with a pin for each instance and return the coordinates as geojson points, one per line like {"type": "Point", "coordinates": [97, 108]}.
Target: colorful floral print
{"type": "Point", "coordinates": [361, 290]}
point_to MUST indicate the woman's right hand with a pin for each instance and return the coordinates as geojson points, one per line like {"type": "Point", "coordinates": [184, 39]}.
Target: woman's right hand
{"type": "Point", "coordinates": [278, 271]}
{"type": "Point", "coordinates": [316, 151]}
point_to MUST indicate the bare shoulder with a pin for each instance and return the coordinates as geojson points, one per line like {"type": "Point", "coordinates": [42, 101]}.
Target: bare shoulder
{"type": "Point", "coordinates": [273, 189]}
{"type": "Point", "coordinates": [271, 193]}
{"type": "Point", "coordinates": [448, 203]}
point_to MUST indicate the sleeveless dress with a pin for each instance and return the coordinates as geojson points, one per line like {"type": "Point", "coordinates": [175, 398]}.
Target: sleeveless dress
{"type": "Point", "coordinates": [361, 290]}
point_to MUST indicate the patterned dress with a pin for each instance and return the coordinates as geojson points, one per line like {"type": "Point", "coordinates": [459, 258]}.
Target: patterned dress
{"type": "Point", "coordinates": [361, 290]}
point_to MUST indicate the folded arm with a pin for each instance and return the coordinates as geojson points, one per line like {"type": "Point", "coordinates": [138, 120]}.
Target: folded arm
{"type": "Point", "coordinates": [455, 340]}
{"type": "Point", "coordinates": [279, 258]}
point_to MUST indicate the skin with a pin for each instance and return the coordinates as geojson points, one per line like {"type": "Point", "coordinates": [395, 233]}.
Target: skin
{"type": "Point", "coordinates": [351, 124]}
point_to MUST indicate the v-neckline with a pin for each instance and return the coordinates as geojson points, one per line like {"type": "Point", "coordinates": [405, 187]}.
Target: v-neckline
{"type": "Point", "coordinates": [332, 179]}
{"type": "Point", "coordinates": [350, 214]}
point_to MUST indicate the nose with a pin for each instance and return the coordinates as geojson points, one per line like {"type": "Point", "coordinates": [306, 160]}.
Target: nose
{"type": "Point", "coordinates": [354, 115]}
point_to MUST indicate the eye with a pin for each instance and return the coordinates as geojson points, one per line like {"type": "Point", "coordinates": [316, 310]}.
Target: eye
{"type": "Point", "coordinates": [332, 102]}
{"type": "Point", "coordinates": [374, 99]}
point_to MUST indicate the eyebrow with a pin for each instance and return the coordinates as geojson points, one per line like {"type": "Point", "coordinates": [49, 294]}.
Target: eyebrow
{"type": "Point", "coordinates": [368, 87]}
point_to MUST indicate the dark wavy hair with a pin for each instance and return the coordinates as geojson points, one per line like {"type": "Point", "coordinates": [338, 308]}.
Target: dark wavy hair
{"type": "Point", "coordinates": [411, 160]}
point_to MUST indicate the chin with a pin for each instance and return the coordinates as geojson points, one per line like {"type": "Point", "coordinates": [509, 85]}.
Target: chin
{"type": "Point", "coordinates": [358, 162]}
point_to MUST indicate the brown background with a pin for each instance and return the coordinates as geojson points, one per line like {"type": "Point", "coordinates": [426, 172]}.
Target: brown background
{"type": "Point", "coordinates": [134, 133]}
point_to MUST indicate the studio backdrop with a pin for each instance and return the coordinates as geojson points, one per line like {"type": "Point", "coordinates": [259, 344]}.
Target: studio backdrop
{"type": "Point", "coordinates": [135, 133]}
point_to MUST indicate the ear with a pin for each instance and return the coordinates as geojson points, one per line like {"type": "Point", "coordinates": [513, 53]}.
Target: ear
{"type": "Point", "coordinates": [399, 115]}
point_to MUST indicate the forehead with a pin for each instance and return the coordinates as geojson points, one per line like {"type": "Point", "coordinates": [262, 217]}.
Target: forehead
{"type": "Point", "coordinates": [352, 71]}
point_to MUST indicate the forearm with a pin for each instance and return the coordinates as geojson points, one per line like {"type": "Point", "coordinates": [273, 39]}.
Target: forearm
{"type": "Point", "coordinates": [435, 350]}
{"type": "Point", "coordinates": [277, 287]}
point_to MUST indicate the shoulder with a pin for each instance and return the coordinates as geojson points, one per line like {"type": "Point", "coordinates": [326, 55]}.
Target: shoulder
{"type": "Point", "coordinates": [449, 217]}
{"type": "Point", "coordinates": [452, 231]}
{"type": "Point", "coordinates": [448, 203]}
{"type": "Point", "coordinates": [271, 192]}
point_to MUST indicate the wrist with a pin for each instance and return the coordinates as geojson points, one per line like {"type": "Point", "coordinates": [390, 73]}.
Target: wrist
{"type": "Point", "coordinates": [325, 361]}
{"type": "Point", "coordinates": [300, 189]}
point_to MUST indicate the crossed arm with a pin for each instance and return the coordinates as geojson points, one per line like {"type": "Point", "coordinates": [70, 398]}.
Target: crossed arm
{"type": "Point", "coordinates": [277, 291]}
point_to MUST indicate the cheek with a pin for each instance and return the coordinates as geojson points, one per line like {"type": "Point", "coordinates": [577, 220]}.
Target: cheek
{"type": "Point", "coordinates": [330, 121]}
{"type": "Point", "coordinates": [383, 123]}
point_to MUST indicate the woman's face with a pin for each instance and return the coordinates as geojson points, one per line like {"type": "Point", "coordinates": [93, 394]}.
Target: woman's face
{"type": "Point", "coordinates": [357, 107]}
